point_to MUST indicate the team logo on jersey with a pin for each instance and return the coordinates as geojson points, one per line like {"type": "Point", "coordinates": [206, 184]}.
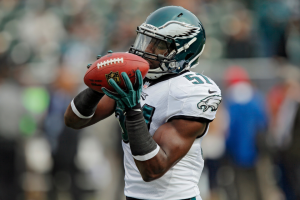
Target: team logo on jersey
{"type": "Point", "coordinates": [113, 75]}
{"type": "Point", "coordinates": [144, 95]}
{"type": "Point", "coordinates": [211, 102]}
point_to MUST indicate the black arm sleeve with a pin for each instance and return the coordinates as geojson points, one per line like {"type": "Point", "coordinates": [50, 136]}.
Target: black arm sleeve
{"type": "Point", "coordinates": [86, 101]}
{"type": "Point", "coordinates": [141, 142]}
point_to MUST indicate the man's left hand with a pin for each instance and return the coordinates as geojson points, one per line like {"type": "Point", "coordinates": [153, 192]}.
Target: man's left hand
{"type": "Point", "coordinates": [129, 98]}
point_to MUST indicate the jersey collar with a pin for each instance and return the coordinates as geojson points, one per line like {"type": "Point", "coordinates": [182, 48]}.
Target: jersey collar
{"type": "Point", "coordinates": [162, 78]}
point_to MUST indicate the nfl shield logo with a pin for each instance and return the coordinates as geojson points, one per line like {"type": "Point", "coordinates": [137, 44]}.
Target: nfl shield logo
{"type": "Point", "coordinates": [113, 75]}
{"type": "Point", "coordinates": [146, 85]}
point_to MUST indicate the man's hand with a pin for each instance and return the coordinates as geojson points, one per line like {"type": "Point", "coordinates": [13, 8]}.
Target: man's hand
{"type": "Point", "coordinates": [130, 98]}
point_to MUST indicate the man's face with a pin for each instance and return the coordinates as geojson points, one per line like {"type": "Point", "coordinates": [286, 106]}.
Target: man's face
{"type": "Point", "coordinates": [156, 47]}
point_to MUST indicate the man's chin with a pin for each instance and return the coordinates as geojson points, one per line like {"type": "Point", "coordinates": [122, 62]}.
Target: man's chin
{"type": "Point", "coordinates": [152, 65]}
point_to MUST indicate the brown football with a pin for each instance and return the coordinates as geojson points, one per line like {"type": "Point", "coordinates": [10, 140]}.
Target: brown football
{"type": "Point", "coordinates": [111, 66]}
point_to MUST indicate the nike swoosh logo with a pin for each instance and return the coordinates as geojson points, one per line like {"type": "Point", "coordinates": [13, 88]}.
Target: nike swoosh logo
{"type": "Point", "coordinates": [210, 92]}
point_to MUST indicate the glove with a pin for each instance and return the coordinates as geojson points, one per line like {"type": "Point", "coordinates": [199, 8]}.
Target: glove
{"type": "Point", "coordinates": [129, 98]}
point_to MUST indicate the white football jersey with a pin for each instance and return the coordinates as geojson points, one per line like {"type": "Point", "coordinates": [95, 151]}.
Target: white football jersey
{"type": "Point", "coordinates": [190, 96]}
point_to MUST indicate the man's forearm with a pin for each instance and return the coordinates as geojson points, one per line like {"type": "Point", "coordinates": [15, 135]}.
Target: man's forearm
{"type": "Point", "coordinates": [143, 147]}
{"type": "Point", "coordinates": [82, 108]}
{"type": "Point", "coordinates": [73, 121]}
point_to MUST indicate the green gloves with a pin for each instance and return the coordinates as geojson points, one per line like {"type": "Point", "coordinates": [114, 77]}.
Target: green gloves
{"type": "Point", "coordinates": [131, 97]}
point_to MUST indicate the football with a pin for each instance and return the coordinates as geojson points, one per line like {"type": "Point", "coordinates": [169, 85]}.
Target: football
{"type": "Point", "coordinates": [111, 66]}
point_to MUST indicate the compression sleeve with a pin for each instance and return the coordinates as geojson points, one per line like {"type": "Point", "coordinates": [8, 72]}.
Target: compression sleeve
{"type": "Point", "coordinates": [142, 145]}
{"type": "Point", "coordinates": [85, 103]}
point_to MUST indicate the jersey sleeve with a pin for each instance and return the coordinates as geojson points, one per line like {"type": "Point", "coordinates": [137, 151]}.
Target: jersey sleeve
{"type": "Point", "coordinates": [192, 99]}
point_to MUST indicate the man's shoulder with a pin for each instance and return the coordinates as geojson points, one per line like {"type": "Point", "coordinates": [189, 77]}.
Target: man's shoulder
{"type": "Point", "coordinates": [193, 95]}
{"type": "Point", "coordinates": [194, 84]}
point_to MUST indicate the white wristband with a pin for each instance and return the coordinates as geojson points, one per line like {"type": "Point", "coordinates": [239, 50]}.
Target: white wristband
{"type": "Point", "coordinates": [148, 156]}
{"type": "Point", "coordinates": [78, 113]}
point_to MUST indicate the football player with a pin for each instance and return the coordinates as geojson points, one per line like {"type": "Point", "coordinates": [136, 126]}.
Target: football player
{"type": "Point", "coordinates": [163, 117]}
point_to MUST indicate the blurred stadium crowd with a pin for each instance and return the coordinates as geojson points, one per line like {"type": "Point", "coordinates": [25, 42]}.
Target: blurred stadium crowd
{"type": "Point", "coordinates": [252, 150]}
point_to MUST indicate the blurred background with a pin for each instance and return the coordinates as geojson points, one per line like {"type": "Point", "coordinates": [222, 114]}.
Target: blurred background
{"type": "Point", "coordinates": [252, 150]}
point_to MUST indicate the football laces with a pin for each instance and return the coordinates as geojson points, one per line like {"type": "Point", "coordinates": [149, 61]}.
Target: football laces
{"type": "Point", "coordinates": [109, 62]}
